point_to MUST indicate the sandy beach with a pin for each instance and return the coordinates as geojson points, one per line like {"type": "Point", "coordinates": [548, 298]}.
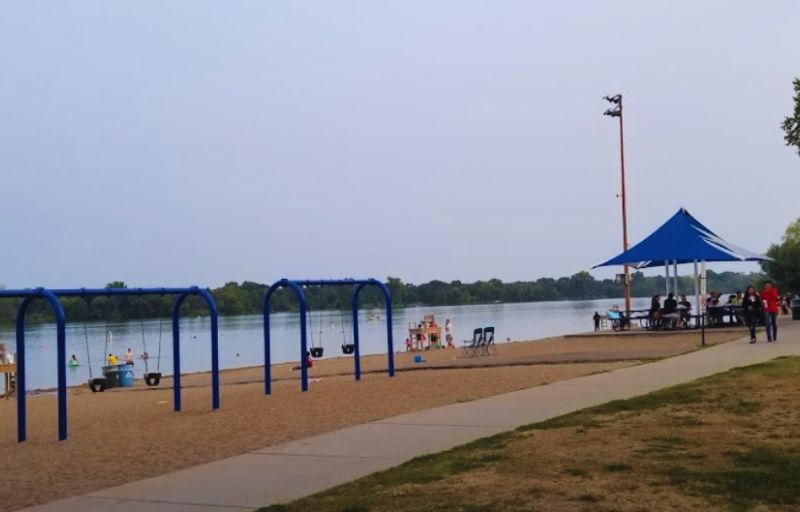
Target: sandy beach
{"type": "Point", "coordinates": [125, 435]}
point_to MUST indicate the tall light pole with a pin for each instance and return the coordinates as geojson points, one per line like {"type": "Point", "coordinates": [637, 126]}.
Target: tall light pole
{"type": "Point", "coordinates": [616, 111]}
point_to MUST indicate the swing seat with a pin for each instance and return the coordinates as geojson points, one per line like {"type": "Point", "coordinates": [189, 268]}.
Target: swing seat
{"type": "Point", "coordinates": [98, 385]}
{"type": "Point", "coordinates": [152, 379]}
{"type": "Point", "coordinates": [348, 348]}
{"type": "Point", "coordinates": [316, 352]}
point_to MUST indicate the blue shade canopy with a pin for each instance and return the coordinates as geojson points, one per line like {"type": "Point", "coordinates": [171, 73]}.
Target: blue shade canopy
{"type": "Point", "coordinates": [683, 239]}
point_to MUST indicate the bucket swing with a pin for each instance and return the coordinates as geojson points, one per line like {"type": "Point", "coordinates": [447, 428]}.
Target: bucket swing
{"type": "Point", "coordinates": [316, 350]}
{"type": "Point", "coordinates": [347, 345]}
{"type": "Point", "coordinates": [152, 379]}
{"type": "Point", "coordinates": [96, 384]}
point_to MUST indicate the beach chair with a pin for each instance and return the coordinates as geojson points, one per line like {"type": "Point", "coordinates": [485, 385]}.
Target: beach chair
{"type": "Point", "coordinates": [471, 346]}
{"type": "Point", "coordinates": [614, 319]}
{"type": "Point", "coordinates": [488, 341]}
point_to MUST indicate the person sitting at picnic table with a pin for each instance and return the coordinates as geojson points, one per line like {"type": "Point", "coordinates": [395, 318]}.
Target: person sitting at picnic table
{"type": "Point", "coordinates": [715, 311]}
{"type": "Point", "coordinates": [655, 312]}
{"type": "Point", "coordinates": [670, 311]}
{"type": "Point", "coordinates": [684, 311]}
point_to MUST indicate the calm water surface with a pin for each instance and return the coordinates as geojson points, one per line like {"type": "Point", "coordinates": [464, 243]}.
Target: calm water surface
{"type": "Point", "coordinates": [241, 338]}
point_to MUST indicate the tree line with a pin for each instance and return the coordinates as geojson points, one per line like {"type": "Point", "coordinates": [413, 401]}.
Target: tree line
{"type": "Point", "coordinates": [247, 297]}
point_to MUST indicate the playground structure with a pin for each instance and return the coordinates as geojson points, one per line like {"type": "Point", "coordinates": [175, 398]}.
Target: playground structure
{"type": "Point", "coordinates": [427, 330]}
{"type": "Point", "coordinates": [51, 296]}
{"type": "Point", "coordinates": [297, 288]}
{"type": "Point", "coordinates": [9, 372]}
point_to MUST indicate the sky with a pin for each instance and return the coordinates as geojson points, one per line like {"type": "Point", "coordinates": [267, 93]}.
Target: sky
{"type": "Point", "coordinates": [200, 142]}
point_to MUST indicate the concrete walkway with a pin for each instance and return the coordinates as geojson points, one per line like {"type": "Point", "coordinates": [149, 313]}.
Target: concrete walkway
{"type": "Point", "coordinates": [299, 468]}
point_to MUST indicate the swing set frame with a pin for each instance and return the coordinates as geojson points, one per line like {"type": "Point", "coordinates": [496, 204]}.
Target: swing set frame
{"type": "Point", "coordinates": [297, 285]}
{"type": "Point", "coordinates": [52, 296]}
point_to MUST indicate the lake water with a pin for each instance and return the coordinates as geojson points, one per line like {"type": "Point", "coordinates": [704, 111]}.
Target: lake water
{"type": "Point", "coordinates": [241, 338]}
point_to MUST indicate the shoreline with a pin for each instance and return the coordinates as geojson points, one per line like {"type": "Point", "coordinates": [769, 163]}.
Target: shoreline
{"type": "Point", "coordinates": [371, 362]}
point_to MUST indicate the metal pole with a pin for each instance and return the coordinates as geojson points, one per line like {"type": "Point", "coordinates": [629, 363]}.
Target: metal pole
{"type": "Point", "coordinates": [61, 342]}
{"type": "Point", "coordinates": [214, 318]}
{"type": "Point", "coordinates": [666, 273]}
{"type": "Point", "coordinates": [389, 339]}
{"type": "Point", "coordinates": [267, 340]}
{"type": "Point", "coordinates": [675, 277]}
{"type": "Point", "coordinates": [696, 288]}
{"type": "Point", "coordinates": [703, 290]}
{"type": "Point", "coordinates": [21, 409]}
{"type": "Point", "coordinates": [303, 342]}
{"type": "Point", "coordinates": [624, 209]}
{"type": "Point", "coordinates": [356, 344]}
{"type": "Point", "coordinates": [176, 352]}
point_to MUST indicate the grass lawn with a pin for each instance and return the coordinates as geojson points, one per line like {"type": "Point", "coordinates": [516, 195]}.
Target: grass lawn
{"type": "Point", "coordinates": [726, 442]}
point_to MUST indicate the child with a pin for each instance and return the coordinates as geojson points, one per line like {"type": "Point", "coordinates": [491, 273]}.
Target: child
{"type": "Point", "coordinates": [73, 361]}
{"type": "Point", "coordinates": [596, 321]}
{"type": "Point", "coordinates": [6, 357]}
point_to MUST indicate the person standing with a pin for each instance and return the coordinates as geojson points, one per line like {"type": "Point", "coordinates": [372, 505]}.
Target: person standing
{"type": "Point", "coordinates": [752, 308]}
{"type": "Point", "coordinates": [769, 297]}
{"type": "Point", "coordinates": [448, 336]}
{"type": "Point", "coordinates": [129, 356]}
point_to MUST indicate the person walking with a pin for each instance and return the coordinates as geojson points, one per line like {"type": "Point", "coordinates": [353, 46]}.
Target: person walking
{"type": "Point", "coordinates": [752, 307]}
{"type": "Point", "coordinates": [769, 298]}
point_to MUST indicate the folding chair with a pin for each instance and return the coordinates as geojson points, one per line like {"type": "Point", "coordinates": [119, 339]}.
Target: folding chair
{"type": "Point", "coordinates": [488, 341]}
{"type": "Point", "coordinates": [471, 346]}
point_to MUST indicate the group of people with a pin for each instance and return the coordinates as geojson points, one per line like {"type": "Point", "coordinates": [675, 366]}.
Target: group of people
{"type": "Point", "coordinates": [763, 304]}
{"type": "Point", "coordinates": [113, 360]}
{"type": "Point", "coordinates": [419, 340]}
{"type": "Point", "coordinates": [675, 313]}
{"type": "Point", "coordinates": [7, 357]}
{"type": "Point", "coordinates": [749, 308]}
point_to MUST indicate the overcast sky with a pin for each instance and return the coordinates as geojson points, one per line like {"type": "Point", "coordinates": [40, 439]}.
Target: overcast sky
{"type": "Point", "coordinates": [174, 143]}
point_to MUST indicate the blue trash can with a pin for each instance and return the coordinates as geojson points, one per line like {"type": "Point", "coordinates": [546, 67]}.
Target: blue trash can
{"type": "Point", "coordinates": [125, 375]}
{"type": "Point", "coordinates": [118, 376]}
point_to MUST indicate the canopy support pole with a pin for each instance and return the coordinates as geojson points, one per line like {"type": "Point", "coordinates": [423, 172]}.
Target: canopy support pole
{"type": "Point", "coordinates": [696, 289]}
{"type": "Point", "coordinates": [675, 277]}
{"type": "Point", "coordinates": [703, 292]}
{"type": "Point", "coordinates": [666, 273]}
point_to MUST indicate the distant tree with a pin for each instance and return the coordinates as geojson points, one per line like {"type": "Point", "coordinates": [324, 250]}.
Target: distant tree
{"type": "Point", "coordinates": [791, 124]}
{"type": "Point", "coordinates": [785, 265]}
{"type": "Point", "coordinates": [397, 289]}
